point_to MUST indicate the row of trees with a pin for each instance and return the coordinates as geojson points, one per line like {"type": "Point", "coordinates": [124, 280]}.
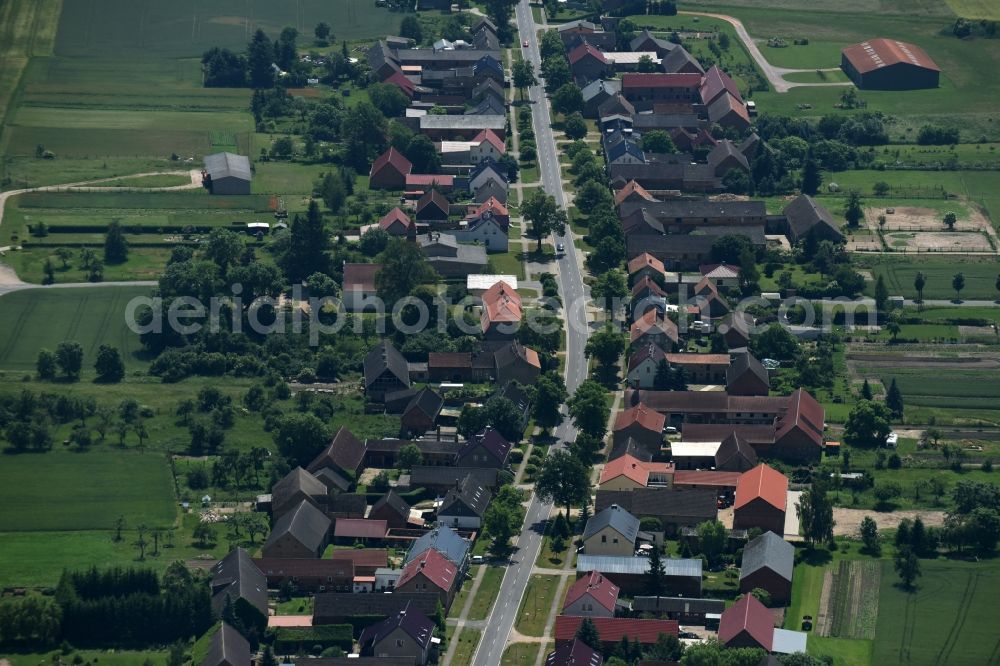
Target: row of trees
{"type": "Point", "coordinates": [67, 361]}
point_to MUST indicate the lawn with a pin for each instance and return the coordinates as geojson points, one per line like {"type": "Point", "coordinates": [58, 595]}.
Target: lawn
{"type": "Point", "coordinates": [520, 654]}
{"type": "Point", "coordinates": [900, 272]}
{"type": "Point", "coordinates": [508, 263]}
{"type": "Point", "coordinates": [94, 488]}
{"type": "Point", "coordinates": [843, 651]}
{"type": "Point", "coordinates": [487, 593]}
{"type": "Point", "coordinates": [539, 598]}
{"type": "Point", "coordinates": [109, 657]}
{"type": "Point", "coordinates": [950, 618]}
{"type": "Point", "coordinates": [807, 584]}
{"type": "Point", "coordinates": [465, 647]}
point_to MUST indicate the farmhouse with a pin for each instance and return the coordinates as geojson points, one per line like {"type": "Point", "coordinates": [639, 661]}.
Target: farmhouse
{"type": "Point", "coordinates": [761, 496]}
{"type": "Point", "coordinates": [591, 596]}
{"type": "Point", "coordinates": [888, 64]}
{"type": "Point", "coordinates": [574, 652]}
{"type": "Point", "coordinates": [768, 562]}
{"type": "Point", "coordinates": [487, 448]}
{"type": "Point", "coordinates": [464, 506]}
{"type": "Point", "coordinates": [339, 608]}
{"type": "Point", "coordinates": [236, 581]}
{"type": "Point", "coordinates": [309, 575]}
{"type": "Point", "coordinates": [227, 173]}
{"type": "Point", "coordinates": [391, 508]}
{"type": "Point", "coordinates": [389, 171]}
{"type": "Point", "coordinates": [612, 531]}
{"type": "Point", "coordinates": [294, 487]}
{"type": "Point", "coordinates": [747, 623]}
{"type": "Point", "coordinates": [628, 473]}
{"type": "Point", "coordinates": [227, 647]}
{"type": "Point", "coordinates": [385, 371]}
{"type": "Point", "coordinates": [642, 424]}
{"type": "Point", "coordinates": [302, 532]}
{"type": "Point", "coordinates": [430, 573]}
{"type": "Point", "coordinates": [805, 215]}
{"type": "Point", "coordinates": [405, 634]}
{"type": "Point", "coordinates": [445, 541]}
{"type": "Point", "coordinates": [344, 454]}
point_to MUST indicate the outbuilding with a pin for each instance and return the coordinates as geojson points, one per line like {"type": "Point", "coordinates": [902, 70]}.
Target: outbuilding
{"type": "Point", "coordinates": [227, 173]}
{"type": "Point", "coordinates": [889, 64]}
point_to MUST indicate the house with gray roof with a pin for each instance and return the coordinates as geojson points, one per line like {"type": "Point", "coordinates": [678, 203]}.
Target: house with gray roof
{"type": "Point", "coordinates": [227, 648]}
{"type": "Point", "coordinates": [461, 127]}
{"type": "Point", "coordinates": [465, 505]}
{"type": "Point", "coordinates": [612, 531]}
{"type": "Point", "coordinates": [673, 507]}
{"type": "Point", "coordinates": [403, 634]}
{"type": "Point", "coordinates": [679, 61]}
{"type": "Point", "coordinates": [735, 454]}
{"type": "Point", "coordinates": [646, 41]}
{"type": "Point", "coordinates": [444, 540]}
{"type": "Point", "coordinates": [302, 532]}
{"type": "Point", "coordinates": [227, 173]}
{"type": "Point", "coordinates": [386, 371]}
{"type": "Point", "coordinates": [487, 448]}
{"type": "Point", "coordinates": [597, 92]}
{"type": "Point", "coordinates": [237, 582]}
{"type": "Point", "coordinates": [805, 215]}
{"type": "Point", "coordinates": [768, 563]}
{"type": "Point", "coordinates": [726, 156]}
{"type": "Point", "coordinates": [294, 487]}
{"type": "Point", "coordinates": [342, 607]}
{"type": "Point", "coordinates": [682, 609]}
{"type": "Point", "coordinates": [450, 258]}
{"type": "Point", "coordinates": [682, 577]}
{"type": "Point", "coordinates": [747, 376]}
{"type": "Point", "coordinates": [342, 457]}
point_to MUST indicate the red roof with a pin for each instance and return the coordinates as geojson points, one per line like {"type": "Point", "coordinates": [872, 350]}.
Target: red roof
{"type": "Point", "coordinates": [434, 566]}
{"type": "Point", "coordinates": [652, 320]}
{"type": "Point", "coordinates": [360, 277]}
{"type": "Point", "coordinates": [428, 179]}
{"type": "Point", "coordinates": [492, 204]}
{"type": "Point", "coordinates": [491, 137]}
{"type": "Point", "coordinates": [715, 83]}
{"type": "Point", "coordinates": [394, 158]}
{"type": "Point", "coordinates": [642, 261]}
{"type": "Point", "coordinates": [648, 283]}
{"type": "Point", "coordinates": [803, 413]}
{"type": "Point", "coordinates": [612, 629]}
{"type": "Point", "coordinates": [360, 528]}
{"type": "Point", "coordinates": [877, 53]}
{"type": "Point", "coordinates": [404, 84]}
{"type": "Point", "coordinates": [583, 50]}
{"type": "Point", "coordinates": [762, 482]}
{"type": "Point", "coordinates": [632, 187]}
{"type": "Point", "coordinates": [651, 351]}
{"type": "Point", "coordinates": [747, 615]}
{"type": "Point", "coordinates": [501, 304]}
{"type": "Point", "coordinates": [602, 590]}
{"type": "Point", "coordinates": [393, 216]}
{"type": "Point", "coordinates": [633, 468]}
{"type": "Point", "coordinates": [660, 81]}
{"type": "Point", "coordinates": [643, 415]}
{"type": "Point", "coordinates": [690, 477]}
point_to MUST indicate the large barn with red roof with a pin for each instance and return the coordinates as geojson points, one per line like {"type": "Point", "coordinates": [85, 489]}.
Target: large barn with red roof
{"type": "Point", "coordinates": [889, 64]}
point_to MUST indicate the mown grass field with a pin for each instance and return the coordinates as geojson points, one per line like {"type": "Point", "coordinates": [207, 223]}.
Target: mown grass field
{"type": "Point", "coordinates": [31, 320]}
{"type": "Point", "coordinates": [65, 490]}
{"type": "Point", "coordinates": [899, 274]}
{"type": "Point", "coordinates": [951, 618]}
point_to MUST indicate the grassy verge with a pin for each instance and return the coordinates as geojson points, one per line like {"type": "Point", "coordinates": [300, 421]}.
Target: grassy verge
{"type": "Point", "coordinates": [487, 593]}
{"type": "Point", "coordinates": [465, 647]}
{"type": "Point", "coordinates": [520, 654]}
{"type": "Point", "coordinates": [538, 600]}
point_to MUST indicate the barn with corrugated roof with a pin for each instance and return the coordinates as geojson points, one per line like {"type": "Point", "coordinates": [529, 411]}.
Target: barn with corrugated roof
{"type": "Point", "coordinates": [889, 64]}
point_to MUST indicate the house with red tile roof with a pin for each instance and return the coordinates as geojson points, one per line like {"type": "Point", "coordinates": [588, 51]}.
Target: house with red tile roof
{"type": "Point", "coordinates": [716, 83]}
{"type": "Point", "coordinates": [632, 191]}
{"type": "Point", "coordinates": [430, 573]}
{"type": "Point", "coordinates": [761, 498]}
{"type": "Point", "coordinates": [613, 629]}
{"type": "Point", "coordinates": [701, 368]}
{"type": "Point", "coordinates": [502, 311]}
{"type": "Point", "coordinates": [645, 265]}
{"type": "Point", "coordinates": [396, 222]}
{"type": "Point", "coordinates": [643, 90]}
{"type": "Point", "coordinates": [424, 182]}
{"type": "Point", "coordinates": [706, 478]}
{"type": "Point", "coordinates": [799, 430]}
{"type": "Point", "coordinates": [727, 111]}
{"type": "Point", "coordinates": [592, 595]}
{"type": "Point", "coordinates": [747, 623]}
{"type": "Point", "coordinates": [587, 63]}
{"type": "Point", "coordinates": [389, 171]}
{"type": "Point", "coordinates": [642, 424]}
{"type": "Point", "coordinates": [628, 473]}
{"type": "Point", "coordinates": [349, 531]}
{"type": "Point", "coordinates": [400, 81]}
{"type": "Point", "coordinates": [486, 144]}
{"type": "Point", "coordinates": [653, 327]}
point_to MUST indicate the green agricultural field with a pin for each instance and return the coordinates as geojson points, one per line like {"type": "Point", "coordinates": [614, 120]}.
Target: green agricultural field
{"type": "Point", "coordinates": [950, 618]}
{"type": "Point", "coordinates": [951, 387]}
{"type": "Point", "coordinates": [69, 491]}
{"type": "Point", "coordinates": [975, 9]}
{"type": "Point", "coordinates": [27, 28]}
{"type": "Point", "coordinates": [34, 319]}
{"type": "Point", "coordinates": [899, 273]}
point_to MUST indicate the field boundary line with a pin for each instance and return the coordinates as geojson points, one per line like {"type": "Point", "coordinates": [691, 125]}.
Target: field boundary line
{"type": "Point", "coordinates": [18, 328]}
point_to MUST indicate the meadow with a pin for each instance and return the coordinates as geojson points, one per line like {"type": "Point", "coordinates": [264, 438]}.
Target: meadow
{"type": "Point", "coordinates": [950, 618]}
{"type": "Point", "coordinates": [37, 319]}
{"type": "Point", "coordinates": [900, 272]}
{"type": "Point", "coordinates": [75, 491]}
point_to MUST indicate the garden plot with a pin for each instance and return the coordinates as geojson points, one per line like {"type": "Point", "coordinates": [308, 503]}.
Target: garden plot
{"type": "Point", "coordinates": [849, 607]}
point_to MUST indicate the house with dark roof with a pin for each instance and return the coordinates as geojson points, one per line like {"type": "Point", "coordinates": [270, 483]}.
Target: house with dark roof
{"type": "Point", "coordinates": [449, 258]}
{"type": "Point", "coordinates": [683, 216]}
{"type": "Point", "coordinates": [729, 112]}
{"type": "Point", "coordinates": [237, 582]}
{"type": "Point", "coordinates": [396, 223]}
{"type": "Point", "coordinates": [309, 575]}
{"type": "Point", "coordinates": [382, 60]}
{"type": "Point", "coordinates": [444, 540]}
{"type": "Point", "coordinates": [407, 633]}
{"type": "Point", "coordinates": [645, 90]}
{"type": "Point", "coordinates": [341, 608]}
{"type": "Point", "coordinates": [297, 486]}
{"type": "Point", "coordinates": [465, 505]}
{"type": "Point", "coordinates": [646, 41]}
{"type": "Point", "coordinates": [347, 505]}
{"type": "Point", "coordinates": [389, 171]}
{"type": "Point", "coordinates": [798, 433]}
{"type": "Point", "coordinates": [805, 215]}
{"type": "Point", "coordinates": [430, 573]}
{"type": "Point", "coordinates": [227, 173]}
{"type": "Point", "coordinates": [351, 531]}
{"type": "Point", "coordinates": [747, 376]}
{"type": "Point", "coordinates": [488, 87]}
{"type": "Point", "coordinates": [393, 509]}
{"type": "Point", "coordinates": [735, 454]}
{"type": "Point", "coordinates": [343, 454]}
{"type": "Point", "coordinates": [640, 222]}
{"type": "Point", "coordinates": [643, 365]}
{"type": "Point", "coordinates": [441, 479]}
{"type": "Point", "coordinates": [679, 61]}
{"type": "Point", "coordinates": [227, 648]}
{"type": "Point", "coordinates": [574, 652]}
{"type": "Point", "coordinates": [487, 448]}
{"type": "Point", "coordinates": [768, 563]}
{"type": "Point", "coordinates": [761, 498]}
{"type": "Point", "coordinates": [726, 157]}
{"type": "Point", "coordinates": [615, 105]}
{"type": "Point", "coordinates": [302, 532]}
{"type": "Point", "coordinates": [516, 363]}
{"type": "Point", "coordinates": [593, 595]}
{"type": "Point", "coordinates": [433, 207]}
{"type": "Point", "coordinates": [683, 609]}
{"type": "Point", "coordinates": [641, 424]}
{"type": "Point", "coordinates": [738, 325]}
{"type": "Point", "coordinates": [747, 623]}
{"type": "Point", "coordinates": [612, 531]}
{"type": "Point", "coordinates": [613, 629]}
{"type": "Point", "coordinates": [422, 412]}
{"type": "Point", "coordinates": [487, 106]}
{"type": "Point", "coordinates": [587, 63]}
{"type": "Point", "coordinates": [673, 507]}
{"type": "Point", "coordinates": [625, 151]}
{"type": "Point", "coordinates": [385, 371]}
{"type": "Point", "coordinates": [596, 93]}
{"type": "Point", "coordinates": [716, 83]}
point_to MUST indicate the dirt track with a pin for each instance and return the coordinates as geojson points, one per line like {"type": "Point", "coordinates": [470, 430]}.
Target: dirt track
{"type": "Point", "coordinates": [849, 520]}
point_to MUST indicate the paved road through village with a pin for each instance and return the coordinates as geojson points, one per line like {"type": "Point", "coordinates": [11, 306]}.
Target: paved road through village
{"type": "Point", "coordinates": [504, 612]}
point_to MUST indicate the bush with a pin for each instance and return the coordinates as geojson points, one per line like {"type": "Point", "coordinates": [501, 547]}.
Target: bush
{"type": "Point", "coordinates": [516, 456]}
{"type": "Point", "coordinates": [197, 478]}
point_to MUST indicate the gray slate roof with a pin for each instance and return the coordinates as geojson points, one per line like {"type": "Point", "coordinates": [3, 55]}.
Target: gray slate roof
{"type": "Point", "coordinates": [227, 646]}
{"type": "Point", "coordinates": [678, 58]}
{"type": "Point", "coordinates": [417, 625]}
{"type": "Point", "coordinates": [296, 481]}
{"type": "Point", "coordinates": [625, 564]}
{"type": "Point", "coordinates": [599, 86]}
{"type": "Point", "coordinates": [463, 122]}
{"type": "Point", "coordinates": [444, 540]}
{"type": "Point", "coordinates": [677, 605]}
{"type": "Point", "coordinates": [743, 363]}
{"type": "Point", "coordinates": [805, 212]}
{"type": "Point", "coordinates": [670, 210]}
{"type": "Point", "coordinates": [382, 357]}
{"type": "Point", "coordinates": [227, 165]}
{"type": "Point", "coordinates": [307, 524]}
{"type": "Point", "coordinates": [768, 551]}
{"type": "Point", "coordinates": [470, 494]}
{"type": "Point", "coordinates": [394, 502]}
{"type": "Point", "coordinates": [235, 576]}
{"type": "Point", "coordinates": [617, 519]}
